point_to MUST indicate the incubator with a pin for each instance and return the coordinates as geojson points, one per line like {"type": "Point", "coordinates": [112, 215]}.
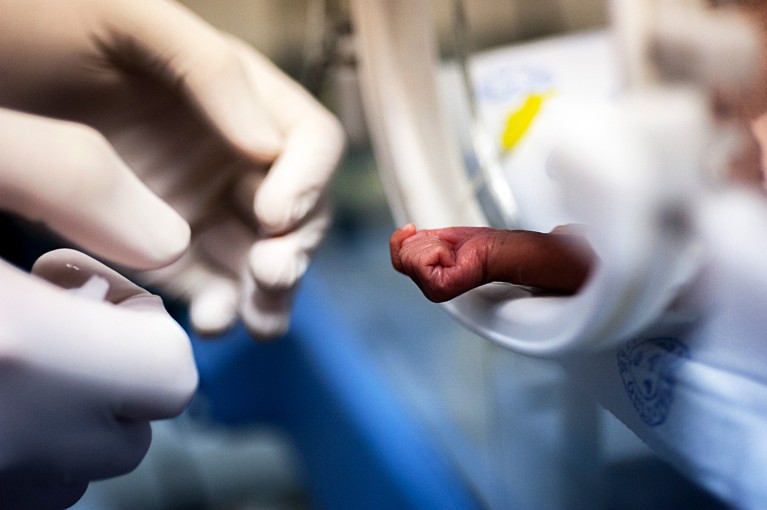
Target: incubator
{"type": "Point", "coordinates": [612, 129]}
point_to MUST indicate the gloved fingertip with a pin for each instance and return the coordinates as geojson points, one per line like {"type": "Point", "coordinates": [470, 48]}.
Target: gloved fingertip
{"type": "Point", "coordinates": [265, 324]}
{"type": "Point", "coordinates": [170, 240]}
{"type": "Point", "coordinates": [275, 264]}
{"type": "Point", "coordinates": [148, 235]}
{"type": "Point", "coordinates": [277, 213]}
{"type": "Point", "coordinates": [214, 311]}
{"type": "Point", "coordinates": [265, 314]}
{"type": "Point", "coordinates": [89, 278]}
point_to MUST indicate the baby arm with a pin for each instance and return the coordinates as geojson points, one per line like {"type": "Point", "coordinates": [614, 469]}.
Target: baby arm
{"type": "Point", "coordinates": [447, 262]}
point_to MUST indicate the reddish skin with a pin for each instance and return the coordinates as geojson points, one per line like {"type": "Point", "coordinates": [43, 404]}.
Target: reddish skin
{"type": "Point", "coordinates": [447, 262]}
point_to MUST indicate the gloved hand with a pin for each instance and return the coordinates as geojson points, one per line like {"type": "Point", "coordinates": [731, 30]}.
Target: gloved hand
{"type": "Point", "coordinates": [81, 378]}
{"type": "Point", "coordinates": [82, 372]}
{"type": "Point", "coordinates": [215, 129]}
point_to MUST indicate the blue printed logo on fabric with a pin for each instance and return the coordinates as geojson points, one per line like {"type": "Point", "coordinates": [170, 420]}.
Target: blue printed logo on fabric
{"type": "Point", "coordinates": [648, 369]}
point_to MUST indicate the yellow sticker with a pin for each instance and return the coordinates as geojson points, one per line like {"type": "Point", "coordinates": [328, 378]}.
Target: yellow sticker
{"type": "Point", "coordinates": [520, 120]}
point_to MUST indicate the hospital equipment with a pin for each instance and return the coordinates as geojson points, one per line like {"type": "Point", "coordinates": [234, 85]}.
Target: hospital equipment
{"type": "Point", "coordinates": [665, 334]}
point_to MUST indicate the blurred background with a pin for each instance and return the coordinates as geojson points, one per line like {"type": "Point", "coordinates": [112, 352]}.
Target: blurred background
{"type": "Point", "coordinates": [377, 399]}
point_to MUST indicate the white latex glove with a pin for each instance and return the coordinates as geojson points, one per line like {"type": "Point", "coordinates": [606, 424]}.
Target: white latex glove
{"type": "Point", "coordinates": [82, 373]}
{"type": "Point", "coordinates": [236, 147]}
{"type": "Point", "coordinates": [81, 378]}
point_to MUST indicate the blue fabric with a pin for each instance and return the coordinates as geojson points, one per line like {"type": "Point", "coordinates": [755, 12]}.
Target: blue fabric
{"type": "Point", "coordinates": [361, 446]}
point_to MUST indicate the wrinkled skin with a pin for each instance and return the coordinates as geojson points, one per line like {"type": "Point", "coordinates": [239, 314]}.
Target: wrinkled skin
{"type": "Point", "coordinates": [447, 262]}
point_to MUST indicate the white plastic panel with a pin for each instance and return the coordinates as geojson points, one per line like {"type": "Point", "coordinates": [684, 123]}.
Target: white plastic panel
{"type": "Point", "coordinates": [415, 146]}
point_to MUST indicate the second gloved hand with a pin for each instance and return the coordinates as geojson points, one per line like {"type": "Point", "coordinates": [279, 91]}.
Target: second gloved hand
{"type": "Point", "coordinates": [82, 373]}
{"type": "Point", "coordinates": [215, 129]}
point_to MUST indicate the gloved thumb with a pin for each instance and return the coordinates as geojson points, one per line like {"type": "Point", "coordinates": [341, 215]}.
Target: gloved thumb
{"type": "Point", "coordinates": [68, 177]}
{"type": "Point", "coordinates": [134, 348]}
{"type": "Point", "coordinates": [88, 278]}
